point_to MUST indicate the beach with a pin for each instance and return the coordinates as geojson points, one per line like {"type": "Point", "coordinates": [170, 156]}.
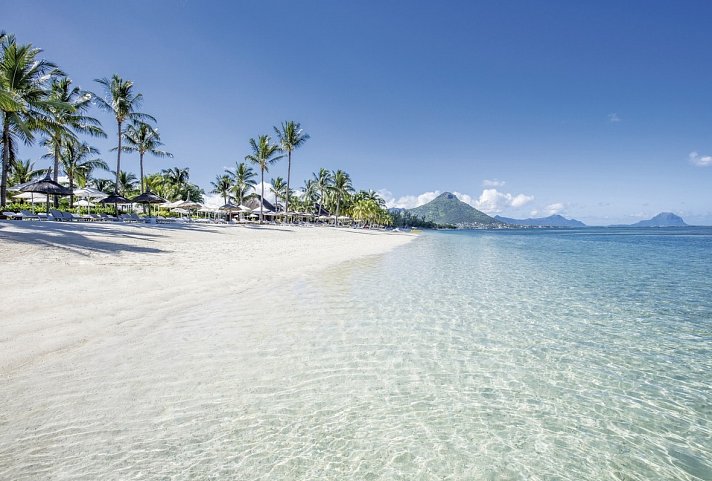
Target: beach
{"type": "Point", "coordinates": [136, 352]}
{"type": "Point", "coordinates": [67, 284]}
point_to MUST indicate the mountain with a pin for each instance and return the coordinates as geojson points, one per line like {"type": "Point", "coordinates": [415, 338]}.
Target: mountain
{"type": "Point", "coordinates": [448, 209]}
{"type": "Point", "coordinates": [663, 219]}
{"type": "Point", "coordinates": [551, 221]}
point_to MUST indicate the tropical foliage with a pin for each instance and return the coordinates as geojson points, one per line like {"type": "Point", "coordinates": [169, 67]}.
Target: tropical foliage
{"type": "Point", "coordinates": [264, 153]}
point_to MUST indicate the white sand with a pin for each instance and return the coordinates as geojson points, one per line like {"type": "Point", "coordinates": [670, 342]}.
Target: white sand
{"type": "Point", "coordinates": [65, 284]}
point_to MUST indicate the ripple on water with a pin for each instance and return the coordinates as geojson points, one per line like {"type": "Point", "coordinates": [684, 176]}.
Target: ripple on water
{"type": "Point", "coordinates": [480, 356]}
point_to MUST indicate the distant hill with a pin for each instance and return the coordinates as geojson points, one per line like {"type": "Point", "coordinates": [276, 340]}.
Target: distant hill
{"type": "Point", "coordinates": [663, 219]}
{"type": "Point", "coordinates": [448, 209]}
{"type": "Point", "coordinates": [551, 221]}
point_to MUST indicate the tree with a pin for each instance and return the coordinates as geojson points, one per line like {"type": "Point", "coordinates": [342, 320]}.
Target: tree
{"type": "Point", "coordinates": [24, 102]}
{"type": "Point", "coordinates": [24, 171]}
{"type": "Point", "coordinates": [322, 183]}
{"type": "Point", "coordinates": [122, 102]}
{"type": "Point", "coordinates": [290, 137]}
{"type": "Point", "coordinates": [279, 189]}
{"type": "Point", "coordinates": [126, 183]}
{"type": "Point", "coordinates": [264, 153]}
{"type": "Point", "coordinates": [68, 119]}
{"type": "Point", "coordinates": [78, 161]}
{"type": "Point", "coordinates": [340, 189]}
{"type": "Point", "coordinates": [142, 138]}
{"type": "Point", "coordinates": [104, 185]}
{"type": "Point", "coordinates": [222, 186]}
{"type": "Point", "coordinates": [242, 181]}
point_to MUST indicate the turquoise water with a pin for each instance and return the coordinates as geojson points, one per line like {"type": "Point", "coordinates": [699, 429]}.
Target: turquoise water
{"type": "Point", "coordinates": [577, 354]}
{"type": "Point", "coordinates": [508, 355]}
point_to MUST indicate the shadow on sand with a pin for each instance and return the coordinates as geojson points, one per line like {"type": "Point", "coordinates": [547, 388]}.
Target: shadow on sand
{"type": "Point", "coordinates": [80, 238]}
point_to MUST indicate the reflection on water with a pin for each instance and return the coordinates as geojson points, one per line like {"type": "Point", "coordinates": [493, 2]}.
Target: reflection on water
{"type": "Point", "coordinates": [571, 355]}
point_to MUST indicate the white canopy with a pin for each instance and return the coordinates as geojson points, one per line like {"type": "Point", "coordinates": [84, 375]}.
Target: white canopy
{"type": "Point", "coordinates": [90, 193]}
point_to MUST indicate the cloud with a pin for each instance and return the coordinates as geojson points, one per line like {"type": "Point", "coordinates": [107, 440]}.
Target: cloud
{"type": "Point", "coordinates": [556, 208]}
{"type": "Point", "coordinates": [614, 118]}
{"type": "Point", "coordinates": [493, 183]}
{"type": "Point", "coordinates": [492, 201]}
{"type": "Point", "coordinates": [700, 160]}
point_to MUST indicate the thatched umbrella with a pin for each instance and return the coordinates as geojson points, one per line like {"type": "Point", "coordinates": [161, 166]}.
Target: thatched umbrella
{"type": "Point", "coordinates": [48, 187]}
{"type": "Point", "coordinates": [148, 198]}
{"type": "Point", "coordinates": [115, 199]}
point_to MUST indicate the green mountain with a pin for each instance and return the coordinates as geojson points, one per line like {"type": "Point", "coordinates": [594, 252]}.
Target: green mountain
{"type": "Point", "coordinates": [448, 209]}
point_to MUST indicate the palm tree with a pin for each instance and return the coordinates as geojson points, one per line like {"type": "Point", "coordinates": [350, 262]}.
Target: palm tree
{"type": "Point", "coordinates": [222, 186]}
{"type": "Point", "coordinates": [264, 153]}
{"type": "Point", "coordinates": [341, 188]}
{"type": "Point", "coordinates": [322, 183]}
{"type": "Point", "coordinates": [24, 171]}
{"type": "Point", "coordinates": [176, 177]}
{"type": "Point", "coordinates": [104, 185]}
{"type": "Point", "coordinates": [122, 102]}
{"type": "Point", "coordinates": [126, 185]}
{"type": "Point", "coordinates": [310, 194]}
{"type": "Point", "coordinates": [279, 189]}
{"type": "Point", "coordinates": [24, 102]}
{"type": "Point", "coordinates": [68, 119]}
{"type": "Point", "coordinates": [144, 139]}
{"type": "Point", "coordinates": [78, 162]}
{"type": "Point", "coordinates": [290, 137]}
{"type": "Point", "coordinates": [242, 180]}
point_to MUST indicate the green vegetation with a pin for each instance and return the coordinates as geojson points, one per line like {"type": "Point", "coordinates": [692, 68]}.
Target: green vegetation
{"type": "Point", "coordinates": [38, 102]}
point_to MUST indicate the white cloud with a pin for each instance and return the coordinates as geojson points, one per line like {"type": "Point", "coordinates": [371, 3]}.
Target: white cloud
{"type": "Point", "coordinates": [614, 118]}
{"type": "Point", "coordinates": [493, 183]}
{"type": "Point", "coordinates": [408, 201]}
{"type": "Point", "coordinates": [492, 201]}
{"type": "Point", "coordinates": [213, 200]}
{"type": "Point", "coordinates": [700, 160]}
{"type": "Point", "coordinates": [520, 200]}
{"type": "Point", "coordinates": [555, 208]}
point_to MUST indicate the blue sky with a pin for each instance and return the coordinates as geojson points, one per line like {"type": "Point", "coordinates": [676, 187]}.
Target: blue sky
{"type": "Point", "coordinates": [592, 110]}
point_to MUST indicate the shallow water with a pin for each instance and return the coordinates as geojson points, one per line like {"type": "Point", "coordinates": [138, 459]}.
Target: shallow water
{"type": "Point", "coordinates": [522, 355]}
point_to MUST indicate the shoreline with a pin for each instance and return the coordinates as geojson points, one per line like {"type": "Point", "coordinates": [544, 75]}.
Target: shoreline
{"type": "Point", "coordinates": [66, 284]}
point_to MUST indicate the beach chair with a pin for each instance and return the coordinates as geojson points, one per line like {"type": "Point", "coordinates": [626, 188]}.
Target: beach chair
{"type": "Point", "coordinates": [56, 215]}
{"type": "Point", "coordinates": [26, 214]}
{"type": "Point", "coordinates": [12, 215]}
{"type": "Point", "coordinates": [134, 217]}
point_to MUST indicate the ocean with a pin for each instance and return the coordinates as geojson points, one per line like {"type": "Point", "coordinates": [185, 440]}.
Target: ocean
{"type": "Point", "coordinates": [582, 354]}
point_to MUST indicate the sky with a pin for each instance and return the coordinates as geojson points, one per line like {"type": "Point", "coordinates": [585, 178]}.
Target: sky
{"type": "Point", "coordinates": [601, 111]}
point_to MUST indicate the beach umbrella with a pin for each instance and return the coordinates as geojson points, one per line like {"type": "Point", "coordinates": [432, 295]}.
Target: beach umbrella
{"type": "Point", "coordinates": [84, 203]}
{"type": "Point", "coordinates": [189, 205]}
{"type": "Point", "coordinates": [115, 199]}
{"type": "Point", "coordinates": [89, 193]}
{"type": "Point", "coordinates": [48, 187]}
{"type": "Point", "coordinates": [230, 208]}
{"type": "Point", "coordinates": [148, 198]}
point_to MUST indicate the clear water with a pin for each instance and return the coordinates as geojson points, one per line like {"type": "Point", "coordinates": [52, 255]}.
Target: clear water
{"type": "Point", "coordinates": [513, 355]}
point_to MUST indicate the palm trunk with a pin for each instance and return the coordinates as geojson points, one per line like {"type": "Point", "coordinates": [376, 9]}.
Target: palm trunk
{"type": "Point", "coordinates": [262, 197]}
{"type": "Point", "coordinates": [118, 160]}
{"type": "Point", "coordinates": [289, 174]}
{"type": "Point", "coordinates": [336, 219]}
{"type": "Point", "coordinates": [321, 200]}
{"type": "Point", "coordinates": [141, 167]}
{"type": "Point", "coordinates": [55, 177]}
{"type": "Point", "coordinates": [71, 187]}
{"type": "Point", "coordinates": [5, 158]}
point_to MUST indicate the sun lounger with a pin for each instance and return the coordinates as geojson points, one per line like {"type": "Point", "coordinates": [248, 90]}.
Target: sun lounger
{"type": "Point", "coordinates": [12, 215]}
{"type": "Point", "coordinates": [26, 214]}
{"type": "Point", "coordinates": [134, 217]}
